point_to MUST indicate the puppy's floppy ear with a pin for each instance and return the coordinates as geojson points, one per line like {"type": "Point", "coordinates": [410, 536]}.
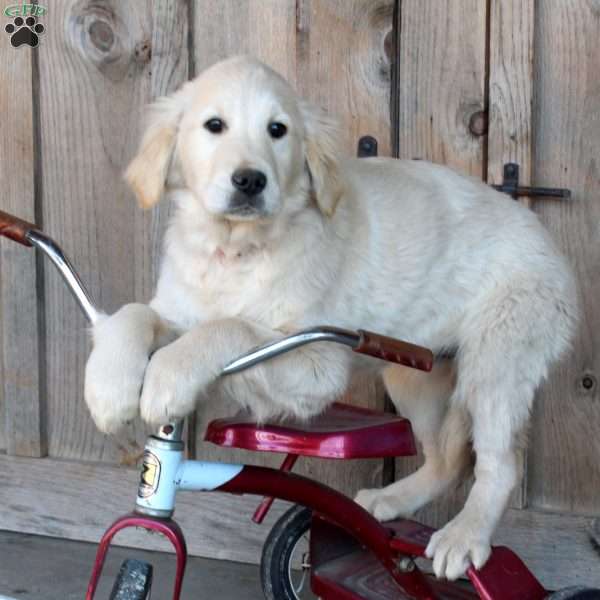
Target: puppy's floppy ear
{"type": "Point", "coordinates": [147, 172]}
{"type": "Point", "coordinates": [321, 142]}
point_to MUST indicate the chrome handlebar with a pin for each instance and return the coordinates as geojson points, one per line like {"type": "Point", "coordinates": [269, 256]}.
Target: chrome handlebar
{"type": "Point", "coordinates": [54, 252]}
{"type": "Point", "coordinates": [323, 333]}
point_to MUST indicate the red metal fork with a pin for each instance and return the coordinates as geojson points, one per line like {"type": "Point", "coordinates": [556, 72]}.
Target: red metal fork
{"type": "Point", "coordinates": [167, 527]}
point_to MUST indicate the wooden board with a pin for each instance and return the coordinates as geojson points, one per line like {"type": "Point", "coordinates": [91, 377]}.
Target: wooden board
{"type": "Point", "coordinates": [511, 25]}
{"type": "Point", "coordinates": [564, 471]}
{"type": "Point", "coordinates": [351, 79]}
{"type": "Point", "coordinates": [99, 67]}
{"type": "Point", "coordinates": [265, 29]}
{"type": "Point", "coordinates": [556, 547]}
{"type": "Point", "coordinates": [351, 76]}
{"type": "Point", "coordinates": [79, 501]}
{"type": "Point", "coordinates": [33, 492]}
{"type": "Point", "coordinates": [441, 85]}
{"type": "Point", "coordinates": [220, 30]}
{"type": "Point", "coordinates": [22, 417]}
{"type": "Point", "coordinates": [510, 88]}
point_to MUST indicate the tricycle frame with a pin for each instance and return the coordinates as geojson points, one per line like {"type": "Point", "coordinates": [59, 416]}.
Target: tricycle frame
{"type": "Point", "coordinates": [165, 471]}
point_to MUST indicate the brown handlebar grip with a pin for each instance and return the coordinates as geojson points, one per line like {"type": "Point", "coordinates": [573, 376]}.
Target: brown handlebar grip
{"type": "Point", "coordinates": [14, 228]}
{"type": "Point", "coordinates": [392, 350]}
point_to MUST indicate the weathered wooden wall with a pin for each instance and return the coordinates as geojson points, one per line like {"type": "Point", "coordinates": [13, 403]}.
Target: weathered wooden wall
{"type": "Point", "coordinates": [469, 83]}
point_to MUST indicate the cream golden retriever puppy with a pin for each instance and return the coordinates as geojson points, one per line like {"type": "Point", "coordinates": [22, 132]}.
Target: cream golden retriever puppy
{"type": "Point", "coordinates": [275, 231]}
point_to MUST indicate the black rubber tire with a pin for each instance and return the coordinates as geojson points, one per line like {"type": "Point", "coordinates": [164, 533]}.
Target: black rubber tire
{"type": "Point", "coordinates": [575, 593]}
{"type": "Point", "coordinates": [133, 581]}
{"type": "Point", "coordinates": [277, 553]}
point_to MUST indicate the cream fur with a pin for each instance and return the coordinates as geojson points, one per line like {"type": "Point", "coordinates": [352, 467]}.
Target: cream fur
{"type": "Point", "coordinates": [409, 249]}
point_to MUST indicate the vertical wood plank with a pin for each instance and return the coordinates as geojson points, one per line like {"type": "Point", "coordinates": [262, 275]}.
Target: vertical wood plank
{"type": "Point", "coordinates": [23, 417]}
{"type": "Point", "coordinates": [345, 64]}
{"type": "Point", "coordinates": [265, 29]}
{"type": "Point", "coordinates": [169, 68]}
{"type": "Point", "coordinates": [511, 29]}
{"type": "Point", "coordinates": [347, 73]}
{"type": "Point", "coordinates": [510, 87]}
{"type": "Point", "coordinates": [441, 86]}
{"type": "Point", "coordinates": [442, 81]}
{"type": "Point", "coordinates": [98, 69]}
{"type": "Point", "coordinates": [564, 458]}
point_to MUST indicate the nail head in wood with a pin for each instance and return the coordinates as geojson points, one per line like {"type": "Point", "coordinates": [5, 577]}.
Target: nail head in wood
{"type": "Point", "coordinates": [367, 146]}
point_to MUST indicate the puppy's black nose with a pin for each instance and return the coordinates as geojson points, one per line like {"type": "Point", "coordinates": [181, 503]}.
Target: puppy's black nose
{"type": "Point", "coordinates": [249, 181]}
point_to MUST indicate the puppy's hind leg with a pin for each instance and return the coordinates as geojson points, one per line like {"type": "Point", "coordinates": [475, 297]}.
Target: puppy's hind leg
{"type": "Point", "coordinates": [442, 429]}
{"type": "Point", "coordinates": [466, 539]}
{"type": "Point", "coordinates": [509, 341]}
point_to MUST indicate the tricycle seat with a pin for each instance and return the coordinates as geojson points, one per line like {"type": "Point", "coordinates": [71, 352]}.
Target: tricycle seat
{"type": "Point", "coordinates": [342, 431]}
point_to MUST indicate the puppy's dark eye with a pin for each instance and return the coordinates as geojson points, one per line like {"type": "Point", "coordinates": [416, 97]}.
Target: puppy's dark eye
{"type": "Point", "coordinates": [214, 125]}
{"type": "Point", "coordinates": [277, 130]}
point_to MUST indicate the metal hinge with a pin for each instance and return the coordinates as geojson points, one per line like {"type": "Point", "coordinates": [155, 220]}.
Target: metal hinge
{"type": "Point", "coordinates": [510, 185]}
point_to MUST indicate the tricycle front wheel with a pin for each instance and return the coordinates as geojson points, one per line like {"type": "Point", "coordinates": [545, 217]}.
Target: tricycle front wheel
{"type": "Point", "coordinates": [133, 581]}
{"type": "Point", "coordinates": [285, 562]}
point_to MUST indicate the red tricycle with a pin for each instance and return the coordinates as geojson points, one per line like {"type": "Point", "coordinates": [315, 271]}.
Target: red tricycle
{"type": "Point", "coordinates": [325, 542]}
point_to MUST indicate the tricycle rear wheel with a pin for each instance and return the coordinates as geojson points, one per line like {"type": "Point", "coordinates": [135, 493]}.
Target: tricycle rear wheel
{"type": "Point", "coordinates": [285, 562]}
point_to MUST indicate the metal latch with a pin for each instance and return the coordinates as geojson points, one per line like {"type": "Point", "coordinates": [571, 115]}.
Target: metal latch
{"type": "Point", "coordinates": [367, 146]}
{"type": "Point", "coordinates": [510, 185]}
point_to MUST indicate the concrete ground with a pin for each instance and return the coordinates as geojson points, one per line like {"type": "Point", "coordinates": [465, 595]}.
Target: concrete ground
{"type": "Point", "coordinates": [42, 568]}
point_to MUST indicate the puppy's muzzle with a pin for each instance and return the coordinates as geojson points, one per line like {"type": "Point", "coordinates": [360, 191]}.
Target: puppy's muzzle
{"type": "Point", "coordinates": [246, 200]}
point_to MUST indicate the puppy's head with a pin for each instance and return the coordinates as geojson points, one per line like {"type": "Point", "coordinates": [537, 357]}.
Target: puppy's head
{"type": "Point", "coordinates": [240, 140]}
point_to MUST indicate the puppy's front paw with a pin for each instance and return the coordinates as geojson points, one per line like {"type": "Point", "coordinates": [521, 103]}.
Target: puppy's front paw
{"type": "Point", "coordinates": [455, 547]}
{"type": "Point", "coordinates": [113, 381]}
{"type": "Point", "coordinates": [171, 386]}
{"type": "Point", "coordinates": [115, 369]}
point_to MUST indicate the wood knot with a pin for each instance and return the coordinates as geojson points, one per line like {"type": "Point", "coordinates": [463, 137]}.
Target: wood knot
{"type": "Point", "coordinates": [101, 35]}
{"type": "Point", "coordinates": [478, 123]}
{"type": "Point", "coordinates": [106, 37]}
{"type": "Point", "coordinates": [388, 45]}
